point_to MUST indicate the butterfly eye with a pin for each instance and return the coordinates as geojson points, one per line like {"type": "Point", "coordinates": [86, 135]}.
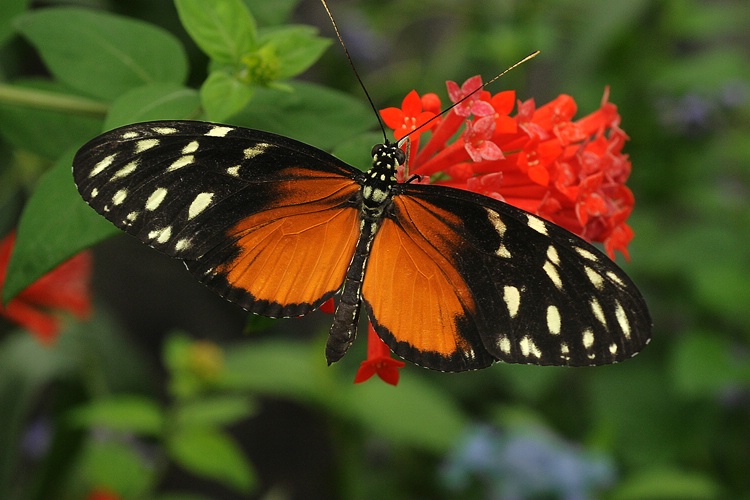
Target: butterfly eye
{"type": "Point", "coordinates": [376, 149]}
{"type": "Point", "coordinates": [400, 156]}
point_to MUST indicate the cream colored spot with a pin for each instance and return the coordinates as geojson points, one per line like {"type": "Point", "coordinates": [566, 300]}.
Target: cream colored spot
{"type": "Point", "coordinates": [552, 255]}
{"type": "Point", "coordinates": [586, 254]}
{"type": "Point", "coordinates": [119, 196]}
{"type": "Point", "coordinates": [611, 275]}
{"type": "Point", "coordinates": [164, 130]}
{"type": "Point", "coordinates": [500, 228]}
{"type": "Point", "coordinates": [125, 171]}
{"type": "Point", "coordinates": [622, 320]}
{"type": "Point", "coordinates": [145, 145]}
{"type": "Point", "coordinates": [594, 277]}
{"type": "Point", "coordinates": [512, 298]}
{"type": "Point", "coordinates": [537, 224]}
{"type": "Point", "coordinates": [529, 348]}
{"type": "Point", "coordinates": [180, 162]}
{"type": "Point", "coordinates": [155, 199]}
{"type": "Point", "coordinates": [504, 344]}
{"type": "Point", "coordinates": [588, 338]}
{"type": "Point", "coordinates": [564, 349]}
{"type": "Point", "coordinates": [256, 150]}
{"type": "Point", "coordinates": [199, 204]}
{"type": "Point", "coordinates": [101, 165]}
{"type": "Point", "coordinates": [191, 147]}
{"type": "Point", "coordinates": [219, 131]}
{"type": "Point", "coordinates": [551, 271]}
{"type": "Point", "coordinates": [161, 235]}
{"type": "Point", "coordinates": [132, 216]}
{"type": "Point", "coordinates": [596, 308]}
{"type": "Point", "coordinates": [234, 171]}
{"type": "Point", "coordinates": [554, 322]}
{"type": "Point", "coordinates": [613, 348]}
{"type": "Point", "coordinates": [182, 244]}
{"type": "Point", "coordinates": [94, 193]}
{"type": "Point", "coordinates": [130, 135]}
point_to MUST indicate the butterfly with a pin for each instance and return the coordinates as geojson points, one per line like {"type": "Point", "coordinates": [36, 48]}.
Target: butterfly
{"type": "Point", "coordinates": [450, 280]}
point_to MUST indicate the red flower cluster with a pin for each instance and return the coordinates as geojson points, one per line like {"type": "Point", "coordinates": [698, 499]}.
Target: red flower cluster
{"type": "Point", "coordinates": [65, 288]}
{"type": "Point", "coordinates": [572, 173]}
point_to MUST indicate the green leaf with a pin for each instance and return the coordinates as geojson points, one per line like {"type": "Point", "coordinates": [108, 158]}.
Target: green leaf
{"type": "Point", "coordinates": [55, 225]}
{"type": "Point", "coordinates": [118, 467]}
{"type": "Point", "coordinates": [271, 13]}
{"type": "Point", "coordinates": [297, 48]}
{"type": "Point", "coordinates": [703, 364]}
{"type": "Point", "coordinates": [311, 113]}
{"type": "Point", "coordinates": [8, 10]}
{"type": "Point", "coordinates": [223, 29]}
{"type": "Point", "coordinates": [208, 452]}
{"type": "Point", "coordinates": [158, 101]}
{"type": "Point", "coordinates": [667, 484]}
{"type": "Point", "coordinates": [223, 95]}
{"type": "Point", "coordinates": [217, 410]}
{"type": "Point", "coordinates": [44, 132]}
{"type": "Point", "coordinates": [102, 54]}
{"type": "Point", "coordinates": [130, 413]}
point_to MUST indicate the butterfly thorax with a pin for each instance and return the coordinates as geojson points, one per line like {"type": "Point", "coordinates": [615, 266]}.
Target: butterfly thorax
{"type": "Point", "coordinates": [380, 179]}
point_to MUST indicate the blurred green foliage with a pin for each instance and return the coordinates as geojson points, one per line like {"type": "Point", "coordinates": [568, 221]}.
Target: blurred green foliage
{"type": "Point", "coordinates": [123, 404]}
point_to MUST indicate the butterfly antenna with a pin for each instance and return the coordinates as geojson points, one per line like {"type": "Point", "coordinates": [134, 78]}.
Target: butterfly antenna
{"type": "Point", "coordinates": [483, 85]}
{"type": "Point", "coordinates": [351, 63]}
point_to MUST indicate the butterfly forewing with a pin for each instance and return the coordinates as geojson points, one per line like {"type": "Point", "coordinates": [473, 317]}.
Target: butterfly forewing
{"type": "Point", "coordinates": [253, 214]}
{"type": "Point", "coordinates": [535, 293]}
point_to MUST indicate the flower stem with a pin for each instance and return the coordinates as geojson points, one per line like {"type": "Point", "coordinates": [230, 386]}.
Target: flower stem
{"type": "Point", "coordinates": [51, 101]}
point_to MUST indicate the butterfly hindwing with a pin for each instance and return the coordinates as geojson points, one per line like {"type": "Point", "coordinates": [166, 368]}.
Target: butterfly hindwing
{"type": "Point", "coordinates": [521, 290]}
{"type": "Point", "coordinates": [254, 215]}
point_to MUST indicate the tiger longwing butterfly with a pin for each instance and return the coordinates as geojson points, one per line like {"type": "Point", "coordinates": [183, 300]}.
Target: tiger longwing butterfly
{"type": "Point", "coordinates": [451, 280]}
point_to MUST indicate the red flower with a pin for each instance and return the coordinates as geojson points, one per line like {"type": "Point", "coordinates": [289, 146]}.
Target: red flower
{"type": "Point", "coordinates": [65, 288]}
{"type": "Point", "coordinates": [378, 361]}
{"type": "Point", "coordinates": [102, 493]}
{"type": "Point", "coordinates": [571, 172]}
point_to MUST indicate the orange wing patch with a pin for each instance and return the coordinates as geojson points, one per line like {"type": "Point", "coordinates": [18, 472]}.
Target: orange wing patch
{"type": "Point", "coordinates": [411, 285]}
{"type": "Point", "coordinates": [298, 251]}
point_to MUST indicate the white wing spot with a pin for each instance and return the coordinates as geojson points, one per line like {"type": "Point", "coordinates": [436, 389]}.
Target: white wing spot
{"type": "Point", "coordinates": [594, 277]}
{"type": "Point", "coordinates": [155, 199]}
{"type": "Point", "coordinates": [182, 244]}
{"type": "Point", "coordinates": [613, 348]}
{"type": "Point", "coordinates": [537, 224]}
{"type": "Point", "coordinates": [551, 271]}
{"type": "Point", "coordinates": [94, 193]}
{"type": "Point", "coordinates": [199, 204]}
{"type": "Point", "coordinates": [588, 338]}
{"type": "Point", "coordinates": [596, 308]}
{"type": "Point", "coordinates": [234, 171]}
{"type": "Point", "coordinates": [102, 164]}
{"type": "Point", "coordinates": [611, 275]}
{"type": "Point", "coordinates": [622, 320]}
{"type": "Point", "coordinates": [130, 135]}
{"type": "Point", "coordinates": [131, 217]}
{"type": "Point", "coordinates": [125, 171]}
{"type": "Point", "coordinates": [504, 344]}
{"type": "Point", "coordinates": [219, 131]}
{"type": "Point", "coordinates": [165, 130]}
{"type": "Point", "coordinates": [180, 162]}
{"type": "Point", "coordinates": [564, 349]}
{"type": "Point", "coordinates": [256, 150]}
{"type": "Point", "coordinates": [554, 322]}
{"type": "Point", "coordinates": [119, 196]}
{"type": "Point", "coordinates": [161, 235]}
{"type": "Point", "coordinates": [529, 348]}
{"type": "Point", "coordinates": [512, 298]}
{"type": "Point", "coordinates": [500, 228]}
{"type": "Point", "coordinates": [586, 254]}
{"type": "Point", "coordinates": [190, 147]}
{"type": "Point", "coordinates": [145, 144]}
{"type": "Point", "coordinates": [552, 255]}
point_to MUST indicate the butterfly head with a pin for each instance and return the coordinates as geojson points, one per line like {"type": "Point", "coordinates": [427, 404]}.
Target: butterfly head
{"type": "Point", "coordinates": [380, 179]}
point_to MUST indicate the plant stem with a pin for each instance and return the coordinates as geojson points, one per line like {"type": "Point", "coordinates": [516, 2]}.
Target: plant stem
{"type": "Point", "coordinates": [51, 101]}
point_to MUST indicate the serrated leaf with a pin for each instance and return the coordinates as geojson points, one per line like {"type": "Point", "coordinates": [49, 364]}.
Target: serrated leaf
{"type": "Point", "coordinates": [55, 225]}
{"type": "Point", "coordinates": [159, 101]}
{"type": "Point", "coordinates": [208, 452]}
{"type": "Point", "coordinates": [223, 29]}
{"type": "Point", "coordinates": [103, 54]}
{"type": "Point", "coordinates": [223, 95]}
{"type": "Point", "coordinates": [297, 48]}
{"type": "Point", "coordinates": [130, 413]}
